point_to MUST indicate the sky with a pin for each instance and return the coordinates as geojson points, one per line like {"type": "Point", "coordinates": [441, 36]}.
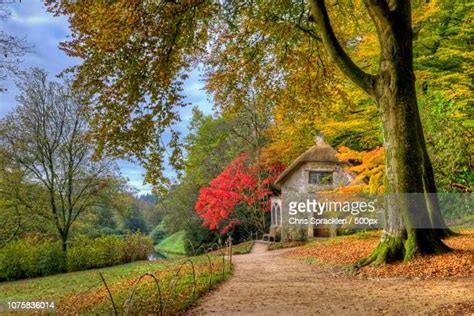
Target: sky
{"type": "Point", "coordinates": [42, 31]}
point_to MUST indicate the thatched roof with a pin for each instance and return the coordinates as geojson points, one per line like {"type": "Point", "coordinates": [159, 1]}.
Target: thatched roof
{"type": "Point", "coordinates": [321, 152]}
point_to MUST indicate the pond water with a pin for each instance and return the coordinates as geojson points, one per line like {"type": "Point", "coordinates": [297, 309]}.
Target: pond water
{"type": "Point", "coordinates": [161, 255]}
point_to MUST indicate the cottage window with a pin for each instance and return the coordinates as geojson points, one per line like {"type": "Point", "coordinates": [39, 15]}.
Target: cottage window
{"type": "Point", "coordinates": [320, 177]}
{"type": "Point", "coordinates": [276, 215]}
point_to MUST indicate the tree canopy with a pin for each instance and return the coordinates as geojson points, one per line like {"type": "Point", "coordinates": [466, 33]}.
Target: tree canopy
{"type": "Point", "coordinates": [285, 70]}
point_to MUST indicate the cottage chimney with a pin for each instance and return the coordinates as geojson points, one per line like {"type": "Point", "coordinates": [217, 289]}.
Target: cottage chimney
{"type": "Point", "coordinates": [319, 140]}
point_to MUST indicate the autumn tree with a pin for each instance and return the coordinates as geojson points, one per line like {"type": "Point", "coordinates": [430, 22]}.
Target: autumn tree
{"type": "Point", "coordinates": [239, 195]}
{"type": "Point", "coordinates": [409, 168]}
{"type": "Point", "coordinates": [45, 138]}
{"type": "Point", "coordinates": [136, 55]}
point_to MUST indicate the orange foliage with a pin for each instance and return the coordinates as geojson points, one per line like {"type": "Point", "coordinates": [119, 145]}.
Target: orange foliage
{"type": "Point", "coordinates": [368, 167]}
{"type": "Point", "coordinates": [346, 250]}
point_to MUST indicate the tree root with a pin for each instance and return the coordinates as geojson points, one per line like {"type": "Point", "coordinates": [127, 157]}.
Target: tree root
{"type": "Point", "coordinates": [396, 248]}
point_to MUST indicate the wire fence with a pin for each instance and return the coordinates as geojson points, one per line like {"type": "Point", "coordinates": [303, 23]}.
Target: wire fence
{"type": "Point", "coordinates": [166, 291]}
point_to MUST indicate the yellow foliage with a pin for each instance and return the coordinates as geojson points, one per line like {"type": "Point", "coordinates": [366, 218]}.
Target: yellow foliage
{"type": "Point", "coordinates": [368, 168]}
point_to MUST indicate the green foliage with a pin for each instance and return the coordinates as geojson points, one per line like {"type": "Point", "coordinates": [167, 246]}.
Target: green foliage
{"type": "Point", "coordinates": [443, 62]}
{"type": "Point", "coordinates": [134, 220]}
{"type": "Point", "coordinates": [21, 203]}
{"type": "Point", "coordinates": [30, 257]}
{"type": "Point", "coordinates": [86, 253]}
{"type": "Point", "coordinates": [210, 146]}
{"type": "Point", "coordinates": [10, 265]}
{"type": "Point", "coordinates": [51, 260]}
{"type": "Point", "coordinates": [443, 50]}
{"type": "Point", "coordinates": [177, 208]}
{"type": "Point", "coordinates": [34, 256]}
{"type": "Point", "coordinates": [448, 141]}
{"type": "Point", "coordinates": [122, 212]}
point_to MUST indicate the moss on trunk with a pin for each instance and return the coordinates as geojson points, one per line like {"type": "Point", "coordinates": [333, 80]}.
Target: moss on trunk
{"type": "Point", "coordinates": [404, 247]}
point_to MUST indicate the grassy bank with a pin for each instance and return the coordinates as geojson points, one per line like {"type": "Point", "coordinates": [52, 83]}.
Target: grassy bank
{"type": "Point", "coordinates": [84, 292]}
{"type": "Point", "coordinates": [174, 244]}
{"type": "Point", "coordinates": [286, 244]}
{"type": "Point", "coordinates": [242, 248]}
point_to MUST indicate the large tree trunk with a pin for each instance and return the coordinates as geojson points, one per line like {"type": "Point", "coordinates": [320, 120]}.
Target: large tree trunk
{"type": "Point", "coordinates": [434, 210]}
{"type": "Point", "coordinates": [64, 244]}
{"type": "Point", "coordinates": [411, 208]}
{"type": "Point", "coordinates": [410, 215]}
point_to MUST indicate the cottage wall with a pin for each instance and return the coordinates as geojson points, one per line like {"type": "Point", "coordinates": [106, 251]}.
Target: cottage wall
{"type": "Point", "coordinates": [297, 182]}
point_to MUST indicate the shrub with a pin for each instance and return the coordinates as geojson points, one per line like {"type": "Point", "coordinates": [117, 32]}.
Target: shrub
{"type": "Point", "coordinates": [86, 253]}
{"type": "Point", "coordinates": [30, 257]}
{"type": "Point", "coordinates": [10, 267]}
{"type": "Point", "coordinates": [34, 256]}
{"type": "Point", "coordinates": [113, 250]}
{"type": "Point", "coordinates": [52, 259]}
{"type": "Point", "coordinates": [28, 254]}
{"type": "Point", "coordinates": [137, 247]}
{"type": "Point", "coordinates": [80, 255]}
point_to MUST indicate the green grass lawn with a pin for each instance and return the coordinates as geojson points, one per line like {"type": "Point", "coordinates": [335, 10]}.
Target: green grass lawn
{"type": "Point", "coordinates": [242, 248]}
{"type": "Point", "coordinates": [83, 292]}
{"type": "Point", "coordinates": [174, 244]}
{"type": "Point", "coordinates": [286, 244]}
{"type": "Point", "coordinates": [60, 285]}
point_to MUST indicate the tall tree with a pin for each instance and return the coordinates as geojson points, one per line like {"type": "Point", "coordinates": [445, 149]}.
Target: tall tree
{"type": "Point", "coordinates": [45, 137]}
{"type": "Point", "coordinates": [409, 168]}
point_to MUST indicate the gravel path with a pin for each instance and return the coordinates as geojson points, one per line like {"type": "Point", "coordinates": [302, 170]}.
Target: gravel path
{"type": "Point", "coordinates": [265, 283]}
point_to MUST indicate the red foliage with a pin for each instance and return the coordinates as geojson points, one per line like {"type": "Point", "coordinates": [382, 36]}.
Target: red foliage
{"type": "Point", "coordinates": [237, 184]}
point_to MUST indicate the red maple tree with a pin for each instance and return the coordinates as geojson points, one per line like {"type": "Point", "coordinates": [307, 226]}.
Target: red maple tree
{"type": "Point", "coordinates": [239, 184]}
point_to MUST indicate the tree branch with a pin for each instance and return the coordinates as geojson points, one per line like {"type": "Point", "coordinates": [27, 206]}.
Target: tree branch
{"type": "Point", "coordinates": [379, 11]}
{"type": "Point", "coordinates": [336, 52]}
{"type": "Point", "coordinates": [310, 32]}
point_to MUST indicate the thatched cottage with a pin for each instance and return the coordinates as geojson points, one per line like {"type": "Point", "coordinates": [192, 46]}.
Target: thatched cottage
{"type": "Point", "coordinates": [318, 169]}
